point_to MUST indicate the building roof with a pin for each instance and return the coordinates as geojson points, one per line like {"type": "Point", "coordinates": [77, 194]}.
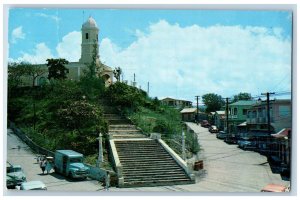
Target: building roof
{"type": "Point", "coordinates": [90, 23]}
{"type": "Point", "coordinates": [282, 134]}
{"type": "Point", "coordinates": [243, 103]}
{"type": "Point", "coordinates": [188, 110]}
{"type": "Point", "coordinates": [220, 112]}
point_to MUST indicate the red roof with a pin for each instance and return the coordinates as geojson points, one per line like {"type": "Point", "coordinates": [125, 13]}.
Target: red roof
{"type": "Point", "coordinates": [281, 134]}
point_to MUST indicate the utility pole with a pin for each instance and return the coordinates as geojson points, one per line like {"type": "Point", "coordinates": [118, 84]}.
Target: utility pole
{"type": "Point", "coordinates": [227, 126]}
{"type": "Point", "coordinates": [197, 117]}
{"type": "Point", "coordinates": [148, 88]}
{"type": "Point", "coordinates": [268, 110]}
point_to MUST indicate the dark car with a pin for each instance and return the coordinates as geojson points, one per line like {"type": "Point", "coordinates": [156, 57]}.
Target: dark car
{"type": "Point", "coordinates": [221, 135]}
{"type": "Point", "coordinates": [213, 129]}
{"type": "Point", "coordinates": [231, 139]}
{"type": "Point", "coordinates": [246, 143]}
{"type": "Point", "coordinates": [205, 124]}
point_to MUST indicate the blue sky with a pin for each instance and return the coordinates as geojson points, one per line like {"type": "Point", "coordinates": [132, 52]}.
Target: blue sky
{"type": "Point", "coordinates": [182, 53]}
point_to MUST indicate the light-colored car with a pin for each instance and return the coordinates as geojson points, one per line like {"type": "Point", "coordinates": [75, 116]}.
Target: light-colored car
{"type": "Point", "coordinates": [275, 188]}
{"type": "Point", "coordinates": [14, 176]}
{"type": "Point", "coordinates": [221, 135]}
{"type": "Point", "coordinates": [213, 129]}
{"type": "Point", "coordinates": [33, 185]}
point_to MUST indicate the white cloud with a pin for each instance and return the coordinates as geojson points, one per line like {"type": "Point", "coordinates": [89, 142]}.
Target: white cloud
{"type": "Point", "coordinates": [52, 17]}
{"type": "Point", "coordinates": [17, 33]}
{"type": "Point", "coordinates": [70, 47]}
{"type": "Point", "coordinates": [39, 55]}
{"type": "Point", "coordinates": [194, 60]}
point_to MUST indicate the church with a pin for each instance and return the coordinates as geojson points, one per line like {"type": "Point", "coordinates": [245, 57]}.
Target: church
{"type": "Point", "coordinates": [89, 35]}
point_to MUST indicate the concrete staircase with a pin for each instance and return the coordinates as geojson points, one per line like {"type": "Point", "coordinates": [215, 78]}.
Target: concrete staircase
{"type": "Point", "coordinates": [120, 127]}
{"type": "Point", "coordinates": [147, 163]}
{"type": "Point", "coordinates": [138, 160]}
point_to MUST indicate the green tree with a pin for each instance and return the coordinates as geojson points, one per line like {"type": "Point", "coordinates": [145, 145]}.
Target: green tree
{"type": "Point", "coordinates": [213, 102]}
{"type": "Point", "coordinates": [126, 96]}
{"type": "Point", "coordinates": [18, 71]}
{"type": "Point", "coordinates": [94, 67]}
{"type": "Point", "coordinates": [57, 68]}
{"type": "Point", "coordinates": [117, 73]}
{"type": "Point", "coordinates": [242, 96]}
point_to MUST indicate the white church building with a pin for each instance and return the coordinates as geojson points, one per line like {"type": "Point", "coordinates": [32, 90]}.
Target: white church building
{"type": "Point", "coordinates": [90, 34]}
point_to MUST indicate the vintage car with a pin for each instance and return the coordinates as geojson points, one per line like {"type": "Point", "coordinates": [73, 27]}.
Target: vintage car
{"type": "Point", "coordinates": [275, 188]}
{"type": "Point", "coordinates": [14, 176]}
{"type": "Point", "coordinates": [205, 124]}
{"type": "Point", "coordinates": [213, 129]}
{"type": "Point", "coordinates": [221, 135]}
{"type": "Point", "coordinates": [33, 185]}
{"type": "Point", "coordinates": [247, 143]}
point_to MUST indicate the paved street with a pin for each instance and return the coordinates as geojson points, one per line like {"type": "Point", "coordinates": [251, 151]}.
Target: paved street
{"type": "Point", "coordinates": [53, 181]}
{"type": "Point", "coordinates": [226, 169]}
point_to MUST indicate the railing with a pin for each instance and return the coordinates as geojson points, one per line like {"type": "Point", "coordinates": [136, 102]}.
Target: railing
{"type": "Point", "coordinates": [36, 148]}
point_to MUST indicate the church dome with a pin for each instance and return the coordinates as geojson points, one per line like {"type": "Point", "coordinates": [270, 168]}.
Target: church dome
{"type": "Point", "coordinates": [90, 23]}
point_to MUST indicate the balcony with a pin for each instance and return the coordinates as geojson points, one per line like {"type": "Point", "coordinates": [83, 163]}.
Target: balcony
{"type": "Point", "coordinates": [232, 116]}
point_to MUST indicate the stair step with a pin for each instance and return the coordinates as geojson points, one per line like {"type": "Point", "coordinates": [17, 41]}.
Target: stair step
{"type": "Point", "coordinates": [157, 170]}
{"type": "Point", "coordinates": [156, 179]}
{"type": "Point", "coordinates": [119, 126]}
{"type": "Point", "coordinates": [119, 135]}
{"type": "Point", "coordinates": [145, 156]}
{"type": "Point", "coordinates": [137, 170]}
{"type": "Point", "coordinates": [155, 183]}
{"type": "Point", "coordinates": [149, 167]}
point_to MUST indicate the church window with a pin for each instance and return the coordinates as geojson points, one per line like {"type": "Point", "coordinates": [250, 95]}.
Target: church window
{"type": "Point", "coordinates": [86, 36]}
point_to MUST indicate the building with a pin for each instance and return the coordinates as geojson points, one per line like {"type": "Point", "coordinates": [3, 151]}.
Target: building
{"type": "Point", "coordinates": [257, 123]}
{"type": "Point", "coordinates": [220, 119]}
{"type": "Point", "coordinates": [238, 114]}
{"type": "Point", "coordinates": [281, 151]}
{"type": "Point", "coordinates": [176, 103]}
{"type": "Point", "coordinates": [188, 114]}
{"type": "Point", "coordinates": [280, 116]}
{"type": "Point", "coordinates": [89, 44]}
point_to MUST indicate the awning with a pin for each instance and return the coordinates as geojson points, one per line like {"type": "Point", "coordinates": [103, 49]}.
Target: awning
{"type": "Point", "coordinates": [243, 124]}
{"type": "Point", "coordinates": [282, 134]}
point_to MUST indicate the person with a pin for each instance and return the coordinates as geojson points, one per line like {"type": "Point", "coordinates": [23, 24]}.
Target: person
{"type": "Point", "coordinates": [48, 166]}
{"type": "Point", "coordinates": [107, 180]}
{"type": "Point", "coordinates": [43, 165]}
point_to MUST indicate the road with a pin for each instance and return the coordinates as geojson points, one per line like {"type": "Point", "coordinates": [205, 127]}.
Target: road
{"type": "Point", "coordinates": [226, 169]}
{"type": "Point", "coordinates": [54, 182]}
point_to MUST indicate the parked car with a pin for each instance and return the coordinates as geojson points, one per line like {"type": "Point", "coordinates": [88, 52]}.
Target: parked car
{"type": "Point", "coordinates": [33, 185]}
{"type": "Point", "coordinates": [231, 139]}
{"type": "Point", "coordinates": [246, 143]}
{"type": "Point", "coordinates": [275, 188]}
{"type": "Point", "coordinates": [14, 176]}
{"type": "Point", "coordinates": [213, 129]}
{"type": "Point", "coordinates": [221, 135]}
{"type": "Point", "coordinates": [205, 124]}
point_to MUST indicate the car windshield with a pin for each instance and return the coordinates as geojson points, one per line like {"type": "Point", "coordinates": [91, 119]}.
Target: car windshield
{"type": "Point", "coordinates": [75, 160]}
{"type": "Point", "coordinates": [14, 169]}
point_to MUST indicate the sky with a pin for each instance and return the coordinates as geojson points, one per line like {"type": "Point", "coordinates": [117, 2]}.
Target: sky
{"type": "Point", "coordinates": [181, 53]}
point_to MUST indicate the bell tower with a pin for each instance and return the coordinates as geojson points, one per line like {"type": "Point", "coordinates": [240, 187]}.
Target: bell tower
{"type": "Point", "coordinates": [89, 34]}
